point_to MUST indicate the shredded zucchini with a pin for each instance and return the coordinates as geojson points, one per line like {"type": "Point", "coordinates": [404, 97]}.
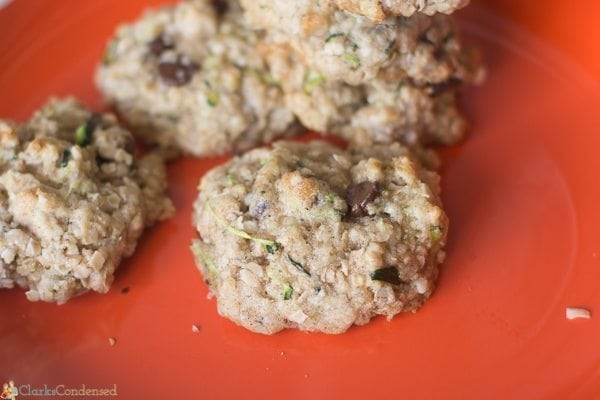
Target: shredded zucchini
{"type": "Point", "coordinates": [208, 263]}
{"type": "Point", "coordinates": [352, 59]}
{"type": "Point", "coordinates": [83, 135]}
{"type": "Point", "coordinates": [312, 80]}
{"type": "Point", "coordinates": [333, 36]}
{"type": "Point", "coordinates": [269, 244]}
{"type": "Point", "coordinates": [109, 54]}
{"type": "Point", "coordinates": [231, 179]}
{"type": "Point", "coordinates": [212, 98]}
{"type": "Point", "coordinates": [436, 232]}
{"type": "Point", "coordinates": [298, 266]}
{"type": "Point", "coordinates": [287, 291]}
{"type": "Point", "coordinates": [65, 158]}
{"type": "Point", "coordinates": [272, 248]}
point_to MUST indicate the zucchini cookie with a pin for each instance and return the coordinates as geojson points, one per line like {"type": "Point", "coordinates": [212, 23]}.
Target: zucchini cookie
{"type": "Point", "coordinates": [313, 237]}
{"type": "Point", "coordinates": [375, 112]}
{"type": "Point", "coordinates": [343, 46]}
{"type": "Point", "coordinates": [187, 78]}
{"type": "Point", "coordinates": [74, 200]}
{"type": "Point", "coordinates": [378, 10]}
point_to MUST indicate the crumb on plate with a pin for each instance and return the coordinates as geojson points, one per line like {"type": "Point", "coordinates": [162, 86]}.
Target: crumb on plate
{"type": "Point", "coordinates": [577, 312]}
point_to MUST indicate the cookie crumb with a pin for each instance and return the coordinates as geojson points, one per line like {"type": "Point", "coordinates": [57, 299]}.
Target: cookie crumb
{"type": "Point", "coordinates": [195, 328]}
{"type": "Point", "coordinates": [112, 341]}
{"type": "Point", "coordinates": [576, 312]}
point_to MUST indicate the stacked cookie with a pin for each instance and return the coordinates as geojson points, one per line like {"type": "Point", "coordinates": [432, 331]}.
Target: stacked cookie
{"type": "Point", "coordinates": [188, 78]}
{"type": "Point", "coordinates": [206, 77]}
{"type": "Point", "coordinates": [368, 82]}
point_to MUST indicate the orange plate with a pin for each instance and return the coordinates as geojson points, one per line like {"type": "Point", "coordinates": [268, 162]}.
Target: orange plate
{"type": "Point", "coordinates": [522, 194]}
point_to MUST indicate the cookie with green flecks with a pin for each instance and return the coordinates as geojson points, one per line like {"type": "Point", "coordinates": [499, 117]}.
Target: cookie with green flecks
{"type": "Point", "coordinates": [74, 200]}
{"type": "Point", "coordinates": [187, 78]}
{"type": "Point", "coordinates": [313, 237]}
{"type": "Point", "coordinates": [344, 46]}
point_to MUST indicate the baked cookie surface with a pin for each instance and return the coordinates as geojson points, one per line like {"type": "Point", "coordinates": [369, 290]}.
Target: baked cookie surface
{"type": "Point", "coordinates": [74, 200]}
{"type": "Point", "coordinates": [378, 10]}
{"type": "Point", "coordinates": [344, 46]}
{"type": "Point", "coordinates": [313, 237]}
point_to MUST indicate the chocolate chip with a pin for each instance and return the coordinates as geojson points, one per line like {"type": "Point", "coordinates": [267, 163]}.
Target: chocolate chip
{"type": "Point", "coordinates": [159, 45]}
{"type": "Point", "coordinates": [358, 196]}
{"type": "Point", "coordinates": [85, 132]}
{"type": "Point", "coordinates": [439, 54]}
{"type": "Point", "coordinates": [178, 72]}
{"type": "Point", "coordinates": [95, 121]}
{"type": "Point", "coordinates": [129, 144]}
{"type": "Point", "coordinates": [435, 89]}
{"type": "Point", "coordinates": [389, 275]}
{"type": "Point", "coordinates": [221, 7]}
{"type": "Point", "coordinates": [424, 37]}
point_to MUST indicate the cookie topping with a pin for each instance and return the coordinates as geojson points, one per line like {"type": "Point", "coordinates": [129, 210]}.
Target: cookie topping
{"type": "Point", "coordinates": [178, 72]}
{"type": "Point", "coordinates": [287, 291]}
{"type": "Point", "coordinates": [65, 158]}
{"type": "Point", "coordinates": [389, 275]}
{"type": "Point", "coordinates": [298, 266]}
{"type": "Point", "coordinates": [159, 45]}
{"type": "Point", "coordinates": [83, 135]}
{"type": "Point", "coordinates": [358, 196]}
{"type": "Point", "coordinates": [435, 89]}
{"type": "Point", "coordinates": [221, 7]}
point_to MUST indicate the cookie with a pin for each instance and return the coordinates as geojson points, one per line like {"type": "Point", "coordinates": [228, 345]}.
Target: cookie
{"type": "Point", "coordinates": [74, 200]}
{"type": "Point", "coordinates": [187, 78]}
{"type": "Point", "coordinates": [375, 112]}
{"type": "Point", "coordinates": [344, 46]}
{"type": "Point", "coordinates": [316, 238]}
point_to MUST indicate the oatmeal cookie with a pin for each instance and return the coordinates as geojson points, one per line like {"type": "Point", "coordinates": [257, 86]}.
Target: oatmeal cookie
{"type": "Point", "coordinates": [74, 200]}
{"type": "Point", "coordinates": [344, 46]}
{"type": "Point", "coordinates": [187, 77]}
{"type": "Point", "coordinates": [374, 112]}
{"type": "Point", "coordinates": [313, 237]}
